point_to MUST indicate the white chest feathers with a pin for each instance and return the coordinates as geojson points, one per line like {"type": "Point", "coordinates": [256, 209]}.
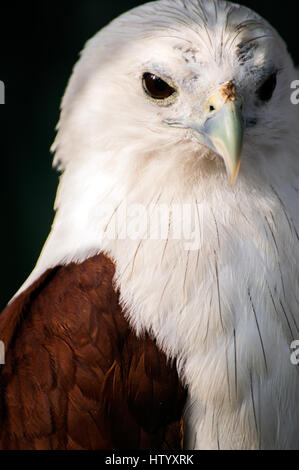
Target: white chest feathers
{"type": "Point", "coordinates": [227, 310]}
{"type": "Point", "coordinates": [216, 283]}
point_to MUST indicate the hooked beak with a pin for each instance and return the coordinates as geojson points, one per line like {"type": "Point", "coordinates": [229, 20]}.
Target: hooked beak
{"type": "Point", "coordinates": [223, 128]}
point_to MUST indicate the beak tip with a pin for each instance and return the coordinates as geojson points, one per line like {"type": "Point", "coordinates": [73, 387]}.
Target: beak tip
{"type": "Point", "coordinates": [233, 176]}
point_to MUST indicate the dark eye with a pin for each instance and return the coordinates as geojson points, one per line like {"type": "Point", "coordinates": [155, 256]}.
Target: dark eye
{"type": "Point", "coordinates": [266, 91]}
{"type": "Point", "coordinates": [156, 87]}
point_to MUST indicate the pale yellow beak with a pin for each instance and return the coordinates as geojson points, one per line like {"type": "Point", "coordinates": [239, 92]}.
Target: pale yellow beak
{"type": "Point", "coordinates": [223, 130]}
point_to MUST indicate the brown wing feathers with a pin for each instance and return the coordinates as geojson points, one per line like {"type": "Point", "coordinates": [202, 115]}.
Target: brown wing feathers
{"type": "Point", "coordinates": [76, 376]}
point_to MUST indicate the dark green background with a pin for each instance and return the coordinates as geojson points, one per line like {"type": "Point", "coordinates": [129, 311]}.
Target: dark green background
{"type": "Point", "coordinates": [39, 44]}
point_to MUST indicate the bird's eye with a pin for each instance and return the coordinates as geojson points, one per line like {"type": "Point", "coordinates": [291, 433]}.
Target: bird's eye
{"type": "Point", "coordinates": [266, 91]}
{"type": "Point", "coordinates": [155, 87]}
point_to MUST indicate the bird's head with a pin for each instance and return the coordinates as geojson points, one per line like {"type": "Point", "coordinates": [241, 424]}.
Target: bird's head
{"type": "Point", "coordinates": [176, 91]}
{"type": "Point", "coordinates": [178, 103]}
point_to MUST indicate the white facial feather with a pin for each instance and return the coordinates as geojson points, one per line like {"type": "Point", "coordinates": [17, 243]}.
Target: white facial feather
{"type": "Point", "coordinates": [229, 311]}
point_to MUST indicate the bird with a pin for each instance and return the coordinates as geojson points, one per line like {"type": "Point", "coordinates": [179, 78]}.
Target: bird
{"type": "Point", "coordinates": [162, 310]}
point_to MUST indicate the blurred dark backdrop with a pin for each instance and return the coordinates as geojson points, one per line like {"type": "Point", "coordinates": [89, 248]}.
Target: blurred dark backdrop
{"type": "Point", "coordinates": [39, 44]}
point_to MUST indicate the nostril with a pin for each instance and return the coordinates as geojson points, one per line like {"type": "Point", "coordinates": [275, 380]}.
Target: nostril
{"type": "Point", "coordinates": [211, 109]}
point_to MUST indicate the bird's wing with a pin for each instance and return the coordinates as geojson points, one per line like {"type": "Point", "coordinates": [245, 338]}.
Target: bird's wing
{"type": "Point", "coordinates": [75, 374]}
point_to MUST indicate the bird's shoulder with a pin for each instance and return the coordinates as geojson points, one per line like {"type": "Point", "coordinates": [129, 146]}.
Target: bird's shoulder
{"type": "Point", "coordinates": [76, 375]}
